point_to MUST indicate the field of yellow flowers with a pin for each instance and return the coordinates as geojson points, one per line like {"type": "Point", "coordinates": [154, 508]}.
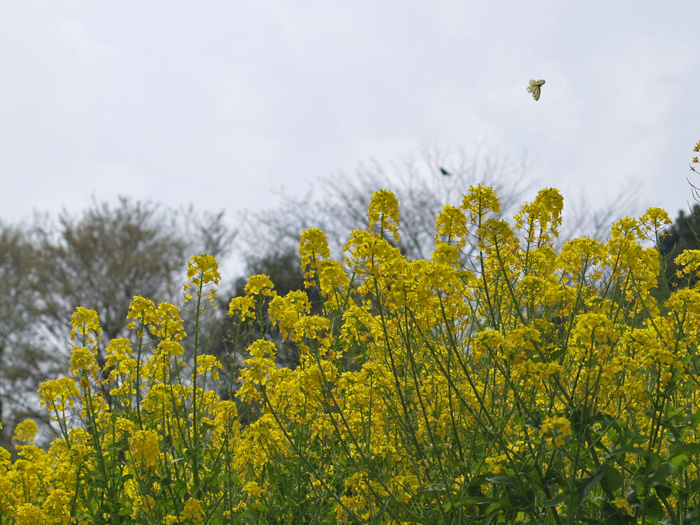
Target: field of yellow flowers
{"type": "Point", "coordinates": [501, 381]}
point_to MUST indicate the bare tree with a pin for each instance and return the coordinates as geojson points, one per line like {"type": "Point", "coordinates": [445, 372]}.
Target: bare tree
{"type": "Point", "coordinates": [340, 203]}
{"type": "Point", "coordinates": [585, 219]}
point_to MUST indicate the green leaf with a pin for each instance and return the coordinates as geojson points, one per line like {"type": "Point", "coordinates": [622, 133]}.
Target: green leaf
{"type": "Point", "coordinates": [378, 518]}
{"type": "Point", "coordinates": [590, 483]}
{"type": "Point", "coordinates": [534, 422]}
{"type": "Point", "coordinates": [664, 490]}
{"type": "Point", "coordinates": [492, 514]}
{"type": "Point", "coordinates": [476, 500]}
{"type": "Point", "coordinates": [556, 500]}
{"type": "Point", "coordinates": [691, 518]}
{"type": "Point", "coordinates": [658, 477]}
{"type": "Point", "coordinates": [292, 502]}
{"type": "Point", "coordinates": [430, 494]}
{"type": "Point", "coordinates": [502, 479]}
{"type": "Point", "coordinates": [682, 455]}
{"type": "Point", "coordinates": [613, 479]}
{"type": "Point", "coordinates": [628, 449]}
{"type": "Point", "coordinates": [686, 448]}
{"type": "Point", "coordinates": [518, 500]}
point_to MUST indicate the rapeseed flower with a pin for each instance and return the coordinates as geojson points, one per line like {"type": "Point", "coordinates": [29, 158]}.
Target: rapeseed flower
{"type": "Point", "coordinates": [193, 512]}
{"type": "Point", "coordinates": [491, 378]}
{"type": "Point", "coordinates": [384, 213]}
{"type": "Point", "coordinates": [25, 432]}
{"type": "Point", "coordinates": [202, 270]}
{"type": "Point", "coordinates": [144, 448]}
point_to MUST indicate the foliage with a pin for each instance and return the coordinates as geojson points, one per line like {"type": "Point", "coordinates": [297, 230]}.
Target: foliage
{"type": "Point", "coordinates": [104, 258]}
{"type": "Point", "coordinates": [681, 236]}
{"type": "Point", "coordinates": [20, 347]}
{"type": "Point", "coordinates": [498, 381]}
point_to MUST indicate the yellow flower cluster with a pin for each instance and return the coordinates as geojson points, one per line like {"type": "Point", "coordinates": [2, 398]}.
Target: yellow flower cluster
{"type": "Point", "coordinates": [500, 380]}
{"type": "Point", "coordinates": [559, 426]}
{"type": "Point", "coordinates": [202, 270]}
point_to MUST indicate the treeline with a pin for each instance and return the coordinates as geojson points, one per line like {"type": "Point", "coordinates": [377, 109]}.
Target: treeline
{"type": "Point", "coordinates": [99, 259]}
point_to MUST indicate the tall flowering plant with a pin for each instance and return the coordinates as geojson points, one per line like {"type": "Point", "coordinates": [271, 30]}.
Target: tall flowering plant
{"type": "Point", "coordinates": [499, 381]}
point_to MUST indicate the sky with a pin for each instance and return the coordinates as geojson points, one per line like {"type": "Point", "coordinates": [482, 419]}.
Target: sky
{"type": "Point", "coordinates": [220, 104]}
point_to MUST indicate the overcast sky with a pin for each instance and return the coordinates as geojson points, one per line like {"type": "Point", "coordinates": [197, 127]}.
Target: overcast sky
{"type": "Point", "coordinates": [218, 103]}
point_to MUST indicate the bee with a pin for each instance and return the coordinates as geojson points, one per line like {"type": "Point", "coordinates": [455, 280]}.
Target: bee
{"type": "Point", "coordinates": [534, 88]}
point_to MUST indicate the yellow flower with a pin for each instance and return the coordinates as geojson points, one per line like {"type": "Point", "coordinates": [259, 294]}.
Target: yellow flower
{"type": "Point", "coordinates": [479, 201]}
{"type": "Point", "coordinates": [593, 327]}
{"type": "Point", "coordinates": [579, 259]}
{"type": "Point", "coordinates": [226, 419]}
{"type": "Point", "coordinates": [623, 504]}
{"type": "Point", "coordinates": [83, 322]}
{"type": "Point", "coordinates": [203, 270]}
{"type": "Point", "coordinates": [58, 394]}
{"type": "Point", "coordinates": [689, 260]}
{"type": "Point", "coordinates": [313, 327]}
{"type": "Point", "coordinates": [496, 464]}
{"type": "Point", "coordinates": [259, 284]}
{"type": "Point", "coordinates": [193, 511]}
{"type": "Point", "coordinates": [144, 448]}
{"type": "Point", "coordinates": [57, 505]}
{"type": "Point", "coordinates": [125, 425]}
{"type": "Point", "coordinates": [558, 425]}
{"type": "Point", "coordinates": [25, 432]}
{"type": "Point", "coordinates": [446, 254]}
{"type": "Point", "coordinates": [497, 234]}
{"type": "Point", "coordinates": [28, 514]}
{"type": "Point", "coordinates": [332, 278]}
{"type": "Point", "coordinates": [83, 359]}
{"type": "Point", "coordinates": [542, 217]}
{"type": "Point", "coordinates": [487, 342]}
{"type": "Point", "coordinates": [655, 219]}
{"type": "Point", "coordinates": [313, 243]}
{"type": "Point", "coordinates": [451, 226]}
{"type": "Point", "coordinates": [287, 310]}
{"type": "Point", "coordinates": [120, 355]}
{"type": "Point", "coordinates": [170, 348]}
{"type": "Point", "coordinates": [244, 307]}
{"type": "Point", "coordinates": [167, 322]}
{"type": "Point", "coordinates": [206, 363]}
{"type": "Point", "coordinates": [253, 489]}
{"type": "Point", "coordinates": [313, 248]}
{"type": "Point", "coordinates": [141, 309]}
{"type": "Point", "coordinates": [626, 228]}
{"type": "Point", "coordinates": [384, 209]}
{"type": "Point", "coordinates": [158, 398]}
